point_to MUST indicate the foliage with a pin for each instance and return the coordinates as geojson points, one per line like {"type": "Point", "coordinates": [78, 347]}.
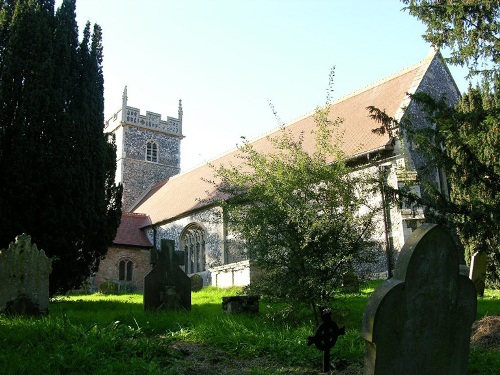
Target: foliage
{"type": "Point", "coordinates": [465, 142]}
{"type": "Point", "coordinates": [304, 219]}
{"type": "Point", "coordinates": [56, 164]}
{"type": "Point", "coordinates": [103, 334]}
{"type": "Point", "coordinates": [469, 28]}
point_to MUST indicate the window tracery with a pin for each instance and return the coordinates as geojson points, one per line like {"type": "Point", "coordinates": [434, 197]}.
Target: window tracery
{"type": "Point", "coordinates": [152, 152]}
{"type": "Point", "coordinates": [193, 244]}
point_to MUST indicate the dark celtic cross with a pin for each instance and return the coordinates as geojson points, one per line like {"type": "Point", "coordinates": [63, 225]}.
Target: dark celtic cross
{"type": "Point", "coordinates": [326, 337]}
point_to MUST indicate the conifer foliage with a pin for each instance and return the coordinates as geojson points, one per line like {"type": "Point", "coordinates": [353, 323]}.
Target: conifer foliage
{"type": "Point", "coordinates": [465, 142]}
{"type": "Point", "coordinates": [56, 165]}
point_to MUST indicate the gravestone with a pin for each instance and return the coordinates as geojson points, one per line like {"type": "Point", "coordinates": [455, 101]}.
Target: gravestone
{"type": "Point", "coordinates": [478, 271]}
{"type": "Point", "coordinates": [108, 287]}
{"type": "Point", "coordinates": [24, 278]}
{"type": "Point", "coordinates": [419, 321]}
{"type": "Point", "coordinates": [240, 304]}
{"type": "Point", "coordinates": [196, 283]}
{"type": "Point", "coordinates": [166, 286]}
{"type": "Point", "coordinates": [350, 282]}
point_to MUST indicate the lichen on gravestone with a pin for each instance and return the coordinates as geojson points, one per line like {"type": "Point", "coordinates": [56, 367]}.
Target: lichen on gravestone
{"type": "Point", "coordinates": [24, 278]}
{"type": "Point", "coordinates": [419, 321]}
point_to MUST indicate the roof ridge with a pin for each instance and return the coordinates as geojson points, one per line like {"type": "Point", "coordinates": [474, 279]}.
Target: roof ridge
{"type": "Point", "coordinates": [365, 88]}
{"type": "Point", "coordinates": [381, 81]}
{"type": "Point", "coordinates": [427, 60]}
{"type": "Point", "coordinates": [128, 213]}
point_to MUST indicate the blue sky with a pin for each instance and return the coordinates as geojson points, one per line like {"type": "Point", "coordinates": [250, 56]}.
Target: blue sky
{"type": "Point", "coordinates": [227, 59]}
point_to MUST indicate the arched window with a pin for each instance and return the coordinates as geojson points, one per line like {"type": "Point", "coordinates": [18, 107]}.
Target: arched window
{"type": "Point", "coordinates": [193, 243]}
{"type": "Point", "coordinates": [152, 152]}
{"type": "Point", "coordinates": [125, 269]}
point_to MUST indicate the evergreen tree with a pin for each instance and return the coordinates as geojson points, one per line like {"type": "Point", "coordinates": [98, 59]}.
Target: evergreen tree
{"type": "Point", "coordinates": [469, 28]}
{"type": "Point", "coordinates": [465, 141]}
{"type": "Point", "coordinates": [56, 164]}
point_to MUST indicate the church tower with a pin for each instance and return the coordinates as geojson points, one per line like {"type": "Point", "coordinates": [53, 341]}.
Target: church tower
{"type": "Point", "coordinates": [148, 149]}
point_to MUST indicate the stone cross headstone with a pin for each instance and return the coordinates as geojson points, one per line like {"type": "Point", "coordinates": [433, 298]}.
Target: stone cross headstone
{"type": "Point", "coordinates": [478, 271]}
{"type": "Point", "coordinates": [24, 278]}
{"type": "Point", "coordinates": [419, 321]}
{"type": "Point", "coordinates": [166, 286]}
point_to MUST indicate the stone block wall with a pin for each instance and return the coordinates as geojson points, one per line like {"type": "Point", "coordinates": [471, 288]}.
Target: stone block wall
{"type": "Point", "coordinates": [109, 268]}
{"type": "Point", "coordinates": [234, 274]}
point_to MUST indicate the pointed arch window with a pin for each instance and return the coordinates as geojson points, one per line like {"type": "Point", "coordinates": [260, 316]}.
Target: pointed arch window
{"type": "Point", "coordinates": [152, 152]}
{"type": "Point", "coordinates": [193, 244]}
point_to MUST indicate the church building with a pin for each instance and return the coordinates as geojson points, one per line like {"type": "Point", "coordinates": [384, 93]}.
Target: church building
{"type": "Point", "coordinates": [161, 203]}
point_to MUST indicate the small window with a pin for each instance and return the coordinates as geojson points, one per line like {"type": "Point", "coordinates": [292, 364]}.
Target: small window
{"type": "Point", "coordinates": [152, 152]}
{"type": "Point", "coordinates": [125, 269]}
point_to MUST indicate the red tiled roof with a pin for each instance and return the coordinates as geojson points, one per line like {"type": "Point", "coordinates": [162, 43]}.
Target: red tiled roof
{"type": "Point", "coordinates": [182, 193]}
{"type": "Point", "coordinates": [129, 232]}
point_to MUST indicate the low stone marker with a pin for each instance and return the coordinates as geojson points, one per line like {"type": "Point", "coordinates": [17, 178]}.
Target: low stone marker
{"type": "Point", "coordinates": [419, 321]}
{"type": "Point", "coordinates": [108, 287]}
{"type": "Point", "coordinates": [478, 271]}
{"type": "Point", "coordinates": [24, 279]}
{"type": "Point", "coordinates": [240, 304]}
{"type": "Point", "coordinates": [166, 286]}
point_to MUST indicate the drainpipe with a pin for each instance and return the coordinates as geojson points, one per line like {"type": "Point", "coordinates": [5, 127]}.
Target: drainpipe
{"type": "Point", "coordinates": [383, 171]}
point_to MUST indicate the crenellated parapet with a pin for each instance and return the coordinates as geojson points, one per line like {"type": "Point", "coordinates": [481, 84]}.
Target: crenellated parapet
{"type": "Point", "coordinates": [152, 120]}
{"type": "Point", "coordinates": [132, 116]}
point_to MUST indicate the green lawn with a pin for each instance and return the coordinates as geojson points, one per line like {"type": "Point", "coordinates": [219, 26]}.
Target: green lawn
{"type": "Point", "coordinates": [111, 334]}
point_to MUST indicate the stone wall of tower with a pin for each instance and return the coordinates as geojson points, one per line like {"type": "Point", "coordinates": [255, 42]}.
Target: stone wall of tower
{"type": "Point", "coordinates": [138, 176]}
{"type": "Point", "coordinates": [133, 132]}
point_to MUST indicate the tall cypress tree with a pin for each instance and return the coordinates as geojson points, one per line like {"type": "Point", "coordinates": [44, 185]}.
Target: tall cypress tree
{"type": "Point", "coordinates": [56, 164]}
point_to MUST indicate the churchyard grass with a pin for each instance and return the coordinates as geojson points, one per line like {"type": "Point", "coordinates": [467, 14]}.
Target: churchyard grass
{"type": "Point", "coordinates": [111, 334]}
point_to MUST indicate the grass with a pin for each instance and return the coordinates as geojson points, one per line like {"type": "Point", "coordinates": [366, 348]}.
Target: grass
{"type": "Point", "coordinates": [111, 334]}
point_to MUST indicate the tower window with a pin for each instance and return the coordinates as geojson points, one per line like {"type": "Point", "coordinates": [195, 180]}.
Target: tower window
{"type": "Point", "coordinates": [152, 152]}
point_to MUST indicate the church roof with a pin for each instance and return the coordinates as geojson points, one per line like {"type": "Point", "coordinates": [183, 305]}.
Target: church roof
{"type": "Point", "coordinates": [129, 232]}
{"type": "Point", "coordinates": [184, 193]}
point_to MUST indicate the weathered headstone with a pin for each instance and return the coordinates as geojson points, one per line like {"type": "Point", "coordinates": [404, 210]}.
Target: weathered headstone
{"type": "Point", "coordinates": [478, 271]}
{"type": "Point", "coordinates": [166, 286]}
{"type": "Point", "coordinates": [196, 283]}
{"type": "Point", "coordinates": [240, 304]}
{"type": "Point", "coordinates": [419, 321]}
{"type": "Point", "coordinates": [350, 282]}
{"type": "Point", "coordinates": [108, 287]}
{"type": "Point", "coordinates": [24, 278]}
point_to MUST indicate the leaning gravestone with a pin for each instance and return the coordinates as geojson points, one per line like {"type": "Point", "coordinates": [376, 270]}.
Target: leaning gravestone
{"type": "Point", "coordinates": [24, 278]}
{"type": "Point", "coordinates": [419, 321]}
{"type": "Point", "coordinates": [478, 271]}
{"type": "Point", "coordinates": [166, 286]}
